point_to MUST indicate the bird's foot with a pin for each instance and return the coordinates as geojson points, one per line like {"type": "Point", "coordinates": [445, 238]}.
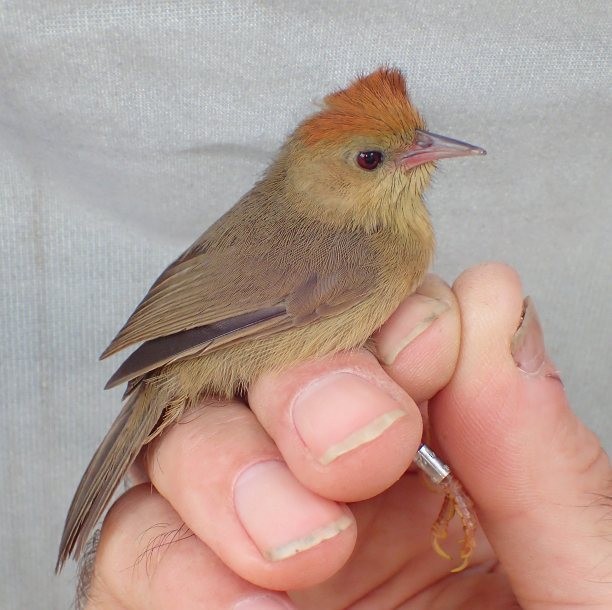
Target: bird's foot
{"type": "Point", "coordinates": [456, 501]}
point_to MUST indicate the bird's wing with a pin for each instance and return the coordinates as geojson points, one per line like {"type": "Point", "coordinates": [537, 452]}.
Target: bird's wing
{"type": "Point", "coordinates": [210, 297]}
{"type": "Point", "coordinates": [195, 291]}
{"type": "Point", "coordinates": [314, 299]}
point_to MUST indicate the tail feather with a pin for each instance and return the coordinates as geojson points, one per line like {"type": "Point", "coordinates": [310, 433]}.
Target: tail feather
{"type": "Point", "coordinates": [130, 431]}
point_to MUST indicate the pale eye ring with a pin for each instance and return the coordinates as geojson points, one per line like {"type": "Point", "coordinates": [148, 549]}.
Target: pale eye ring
{"type": "Point", "coordinates": [369, 159]}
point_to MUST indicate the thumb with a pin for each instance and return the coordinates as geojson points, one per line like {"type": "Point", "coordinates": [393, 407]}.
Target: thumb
{"type": "Point", "coordinates": [540, 480]}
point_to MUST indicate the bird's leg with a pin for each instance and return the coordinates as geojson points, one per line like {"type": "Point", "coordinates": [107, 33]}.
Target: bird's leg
{"type": "Point", "coordinates": [439, 529]}
{"type": "Point", "coordinates": [456, 501]}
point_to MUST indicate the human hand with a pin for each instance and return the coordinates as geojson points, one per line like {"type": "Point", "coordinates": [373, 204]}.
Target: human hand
{"type": "Point", "coordinates": [270, 535]}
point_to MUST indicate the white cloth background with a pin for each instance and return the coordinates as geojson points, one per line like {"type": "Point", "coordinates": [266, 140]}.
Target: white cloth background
{"type": "Point", "coordinates": [126, 127]}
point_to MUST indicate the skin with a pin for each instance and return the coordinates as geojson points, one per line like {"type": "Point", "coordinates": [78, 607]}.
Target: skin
{"type": "Point", "coordinates": [539, 478]}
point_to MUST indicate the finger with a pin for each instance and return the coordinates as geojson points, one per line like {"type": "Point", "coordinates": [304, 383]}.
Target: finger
{"type": "Point", "coordinates": [539, 477]}
{"type": "Point", "coordinates": [346, 429]}
{"type": "Point", "coordinates": [148, 559]}
{"type": "Point", "coordinates": [225, 477]}
{"type": "Point", "coordinates": [419, 344]}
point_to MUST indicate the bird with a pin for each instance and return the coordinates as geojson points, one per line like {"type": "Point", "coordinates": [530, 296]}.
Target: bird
{"type": "Point", "coordinates": [309, 262]}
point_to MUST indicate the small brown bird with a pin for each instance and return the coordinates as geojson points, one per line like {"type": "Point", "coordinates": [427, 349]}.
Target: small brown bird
{"type": "Point", "coordinates": [312, 260]}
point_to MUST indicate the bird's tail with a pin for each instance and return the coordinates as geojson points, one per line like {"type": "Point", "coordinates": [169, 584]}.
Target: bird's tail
{"type": "Point", "coordinates": [133, 427]}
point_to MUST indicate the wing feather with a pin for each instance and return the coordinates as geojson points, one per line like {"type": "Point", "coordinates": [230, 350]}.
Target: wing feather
{"type": "Point", "coordinates": [253, 272]}
{"type": "Point", "coordinates": [197, 341]}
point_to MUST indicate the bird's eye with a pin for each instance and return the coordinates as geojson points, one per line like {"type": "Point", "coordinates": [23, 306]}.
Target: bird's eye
{"type": "Point", "coordinates": [369, 159]}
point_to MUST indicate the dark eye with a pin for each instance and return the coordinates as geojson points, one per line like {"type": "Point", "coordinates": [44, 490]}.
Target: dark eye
{"type": "Point", "coordinates": [369, 159]}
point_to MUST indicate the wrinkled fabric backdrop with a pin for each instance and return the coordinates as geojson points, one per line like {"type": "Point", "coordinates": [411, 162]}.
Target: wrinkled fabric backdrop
{"type": "Point", "coordinates": [126, 127]}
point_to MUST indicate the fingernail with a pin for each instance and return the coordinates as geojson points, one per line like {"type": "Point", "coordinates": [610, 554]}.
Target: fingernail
{"type": "Point", "coordinates": [413, 317]}
{"type": "Point", "coordinates": [281, 516]}
{"type": "Point", "coordinates": [527, 346]}
{"type": "Point", "coordinates": [263, 602]}
{"type": "Point", "coordinates": [340, 412]}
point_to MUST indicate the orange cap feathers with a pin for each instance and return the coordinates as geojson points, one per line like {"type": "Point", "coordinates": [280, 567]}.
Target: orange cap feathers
{"type": "Point", "coordinates": [372, 105]}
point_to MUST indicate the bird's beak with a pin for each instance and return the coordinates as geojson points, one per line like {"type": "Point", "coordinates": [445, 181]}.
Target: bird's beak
{"type": "Point", "coordinates": [431, 147]}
